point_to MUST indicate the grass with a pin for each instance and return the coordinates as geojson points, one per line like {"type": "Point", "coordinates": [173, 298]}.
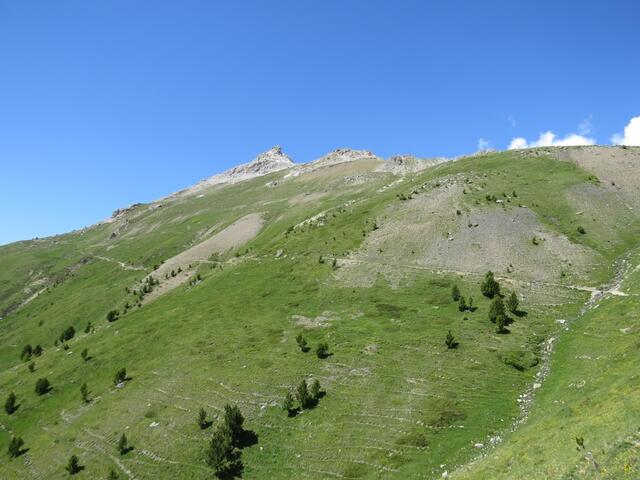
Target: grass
{"type": "Point", "coordinates": [398, 403]}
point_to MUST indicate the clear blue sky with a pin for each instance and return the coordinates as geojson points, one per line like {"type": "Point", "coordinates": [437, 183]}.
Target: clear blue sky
{"type": "Point", "coordinates": [103, 104]}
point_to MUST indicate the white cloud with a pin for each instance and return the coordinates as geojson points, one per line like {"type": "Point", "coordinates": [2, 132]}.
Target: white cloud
{"type": "Point", "coordinates": [512, 121]}
{"type": "Point", "coordinates": [484, 145]}
{"type": "Point", "coordinates": [550, 139]}
{"type": "Point", "coordinates": [631, 134]}
{"type": "Point", "coordinates": [586, 125]}
{"type": "Point", "coordinates": [518, 142]}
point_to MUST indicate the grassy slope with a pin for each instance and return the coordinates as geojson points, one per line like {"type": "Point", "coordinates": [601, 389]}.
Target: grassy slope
{"type": "Point", "coordinates": [593, 392]}
{"type": "Point", "coordinates": [231, 339]}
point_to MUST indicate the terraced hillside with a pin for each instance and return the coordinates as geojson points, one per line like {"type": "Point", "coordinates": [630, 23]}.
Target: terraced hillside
{"type": "Point", "coordinates": [208, 290]}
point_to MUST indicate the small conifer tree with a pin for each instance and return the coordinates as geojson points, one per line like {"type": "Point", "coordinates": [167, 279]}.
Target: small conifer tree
{"type": "Point", "coordinates": [490, 287]}
{"type": "Point", "coordinates": [322, 350]}
{"type": "Point", "coordinates": [10, 405]}
{"type": "Point", "coordinates": [450, 341]}
{"type": "Point", "coordinates": [42, 386]}
{"type": "Point", "coordinates": [455, 293]}
{"type": "Point", "coordinates": [15, 447]}
{"type": "Point", "coordinates": [202, 419]}
{"type": "Point", "coordinates": [233, 422]}
{"type": "Point", "coordinates": [84, 393]}
{"type": "Point", "coordinates": [302, 395]}
{"type": "Point", "coordinates": [287, 403]}
{"type": "Point", "coordinates": [123, 444]}
{"type": "Point", "coordinates": [120, 376]}
{"type": "Point", "coordinates": [315, 389]}
{"type": "Point", "coordinates": [462, 305]}
{"type": "Point", "coordinates": [512, 302]}
{"type": "Point", "coordinates": [496, 309]}
{"type": "Point", "coordinates": [220, 452]}
{"type": "Point", "coordinates": [73, 465]}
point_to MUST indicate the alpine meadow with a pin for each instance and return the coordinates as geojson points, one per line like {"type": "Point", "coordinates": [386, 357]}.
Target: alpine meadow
{"type": "Point", "coordinates": [350, 317]}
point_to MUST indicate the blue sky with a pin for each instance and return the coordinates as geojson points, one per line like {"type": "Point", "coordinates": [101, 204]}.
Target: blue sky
{"type": "Point", "coordinates": [103, 104]}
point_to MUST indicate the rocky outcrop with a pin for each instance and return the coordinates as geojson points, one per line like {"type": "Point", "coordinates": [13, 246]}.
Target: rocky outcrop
{"type": "Point", "coordinates": [402, 164]}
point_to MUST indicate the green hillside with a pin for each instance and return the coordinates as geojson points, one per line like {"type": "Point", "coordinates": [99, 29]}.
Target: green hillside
{"type": "Point", "coordinates": [364, 258]}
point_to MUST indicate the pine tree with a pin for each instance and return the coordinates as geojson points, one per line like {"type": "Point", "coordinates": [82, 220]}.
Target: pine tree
{"type": "Point", "coordinates": [233, 421]}
{"type": "Point", "coordinates": [490, 287]}
{"type": "Point", "coordinates": [10, 404]}
{"type": "Point", "coordinates": [462, 305]}
{"type": "Point", "coordinates": [512, 302]}
{"type": "Point", "coordinates": [27, 351]}
{"type": "Point", "coordinates": [287, 403]}
{"type": "Point", "coordinates": [123, 445]}
{"type": "Point", "coordinates": [501, 323]}
{"type": "Point", "coordinates": [73, 465]}
{"type": "Point", "coordinates": [302, 395]}
{"type": "Point", "coordinates": [315, 389]}
{"type": "Point", "coordinates": [120, 377]}
{"type": "Point", "coordinates": [220, 452]}
{"type": "Point", "coordinates": [497, 309]}
{"type": "Point", "coordinates": [322, 350]}
{"type": "Point", "coordinates": [450, 341]}
{"type": "Point", "coordinates": [455, 293]}
{"type": "Point", "coordinates": [302, 343]}
{"type": "Point", "coordinates": [202, 419]}
{"type": "Point", "coordinates": [15, 447]}
{"type": "Point", "coordinates": [42, 386]}
{"type": "Point", "coordinates": [37, 351]}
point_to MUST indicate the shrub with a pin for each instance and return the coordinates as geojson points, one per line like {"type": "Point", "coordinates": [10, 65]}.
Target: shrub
{"type": "Point", "coordinates": [113, 475]}
{"type": "Point", "coordinates": [490, 287]}
{"type": "Point", "coordinates": [322, 350]}
{"type": "Point", "coordinates": [520, 359]}
{"type": "Point", "coordinates": [455, 293]}
{"type": "Point", "coordinates": [15, 447]}
{"type": "Point", "coordinates": [85, 354]}
{"type": "Point", "coordinates": [581, 230]}
{"type": "Point", "coordinates": [42, 386]}
{"type": "Point", "coordinates": [512, 302]}
{"type": "Point", "coordinates": [10, 404]}
{"type": "Point", "coordinates": [120, 377]}
{"type": "Point", "coordinates": [112, 315]}
{"type": "Point", "coordinates": [37, 351]}
{"type": "Point", "coordinates": [73, 465]}
{"type": "Point", "coordinates": [88, 328]}
{"type": "Point", "coordinates": [32, 367]}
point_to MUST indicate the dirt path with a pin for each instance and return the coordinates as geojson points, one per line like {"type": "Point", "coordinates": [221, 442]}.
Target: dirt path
{"type": "Point", "coordinates": [125, 266]}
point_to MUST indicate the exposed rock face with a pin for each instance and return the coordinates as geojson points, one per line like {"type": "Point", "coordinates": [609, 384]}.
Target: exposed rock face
{"type": "Point", "coordinates": [267, 162]}
{"type": "Point", "coordinates": [401, 164]}
{"type": "Point", "coordinates": [341, 155]}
